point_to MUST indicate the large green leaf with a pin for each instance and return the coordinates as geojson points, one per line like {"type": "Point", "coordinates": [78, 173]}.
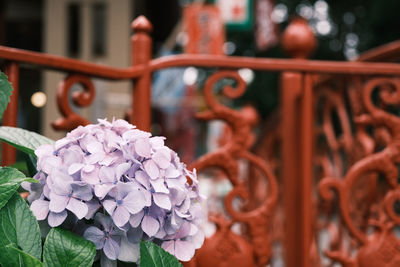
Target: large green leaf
{"type": "Point", "coordinates": [25, 258]}
{"type": "Point", "coordinates": [23, 140]}
{"type": "Point", "coordinates": [5, 93]}
{"type": "Point", "coordinates": [152, 255]}
{"type": "Point", "coordinates": [63, 248]}
{"type": "Point", "coordinates": [10, 179]}
{"type": "Point", "coordinates": [18, 227]}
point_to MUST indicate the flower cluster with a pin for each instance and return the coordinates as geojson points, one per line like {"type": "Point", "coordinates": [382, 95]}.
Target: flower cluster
{"type": "Point", "coordinates": [125, 185]}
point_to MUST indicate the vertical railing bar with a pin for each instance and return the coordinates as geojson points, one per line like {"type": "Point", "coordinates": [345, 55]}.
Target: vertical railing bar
{"type": "Point", "coordinates": [306, 143]}
{"type": "Point", "coordinates": [141, 54]}
{"type": "Point", "coordinates": [291, 86]}
{"type": "Point", "coordinates": [8, 152]}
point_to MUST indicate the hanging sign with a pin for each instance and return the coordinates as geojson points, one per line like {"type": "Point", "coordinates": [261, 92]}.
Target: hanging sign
{"type": "Point", "coordinates": [204, 29]}
{"type": "Point", "coordinates": [266, 33]}
{"type": "Point", "coordinates": [236, 14]}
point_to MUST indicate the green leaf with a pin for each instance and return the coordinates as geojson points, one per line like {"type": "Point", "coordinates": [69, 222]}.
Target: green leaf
{"type": "Point", "coordinates": [25, 258]}
{"type": "Point", "coordinates": [152, 255]}
{"type": "Point", "coordinates": [5, 93]}
{"type": "Point", "coordinates": [10, 180]}
{"type": "Point", "coordinates": [63, 248]}
{"type": "Point", "coordinates": [23, 140]}
{"type": "Point", "coordinates": [31, 163]}
{"type": "Point", "coordinates": [18, 226]}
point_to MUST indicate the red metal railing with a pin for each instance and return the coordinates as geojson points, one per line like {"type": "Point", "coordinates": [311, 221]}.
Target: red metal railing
{"type": "Point", "coordinates": [301, 82]}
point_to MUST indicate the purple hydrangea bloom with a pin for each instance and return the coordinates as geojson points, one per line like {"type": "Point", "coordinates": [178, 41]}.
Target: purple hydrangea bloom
{"type": "Point", "coordinates": [133, 186]}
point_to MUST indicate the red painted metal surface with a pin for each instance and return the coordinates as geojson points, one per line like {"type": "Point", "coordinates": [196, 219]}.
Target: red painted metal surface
{"type": "Point", "coordinates": [11, 113]}
{"type": "Point", "coordinates": [337, 128]}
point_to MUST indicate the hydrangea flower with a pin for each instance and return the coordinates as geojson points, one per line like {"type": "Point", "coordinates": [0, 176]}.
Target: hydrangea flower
{"type": "Point", "coordinates": [132, 185]}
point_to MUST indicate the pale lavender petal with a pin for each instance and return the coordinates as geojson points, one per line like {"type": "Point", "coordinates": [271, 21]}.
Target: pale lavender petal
{"type": "Point", "coordinates": [40, 209]}
{"type": "Point", "coordinates": [172, 172]}
{"type": "Point", "coordinates": [107, 160]}
{"type": "Point", "coordinates": [169, 246]}
{"type": "Point", "coordinates": [159, 186]}
{"type": "Point", "coordinates": [197, 240]}
{"type": "Point", "coordinates": [184, 250]}
{"type": "Point", "coordinates": [162, 157]}
{"type": "Point", "coordinates": [150, 225]}
{"type": "Point", "coordinates": [111, 249]}
{"type": "Point", "coordinates": [147, 196]}
{"type": "Point", "coordinates": [55, 219]}
{"type": "Point", "coordinates": [157, 141]}
{"type": "Point", "coordinates": [74, 168]}
{"type": "Point", "coordinates": [109, 205]}
{"type": "Point", "coordinates": [161, 233]}
{"type": "Point", "coordinates": [58, 203]}
{"type": "Point", "coordinates": [142, 147]}
{"type": "Point", "coordinates": [121, 216]}
{"type": "Point", "coordinates": [122, 169]}
{"type": "Point", "coordinates": [79, 208]}
{"type": "Point", "coordinates": [101, 190]}
{"type": "Point", "coordinates": [143, 178]}
{"type": "Point", "coordinates": [151, 168]}
{"type": "Point", "coordinates": [136, 219]}
{"type": "Point", "coordinates": [177, 196]}
{"type": "Point", "coordinates": [107, 174]}
{"type": "Point", "coordinates": [106, 262]}
{"type": "Point", "coordinates": [90, 177]}
{"type": "Point", "coordinates": [128, 252]}
{"type": "Point", "coordinates": [95, 147]}
{"type": "Point", "coordinates": [93, 206]}
{"type": "Point", "coordinates": [44, 150]}
{"type": "Point", "coordinates": [134, 201]}
{"type": "Point", "coordinates": [94, 158]}
{"type": "Point", "coordinates": [88, 168]}
{"type": "Point", "coordinates": [162, 200]}
{"type": "Point", "coordinates": [95, 235]}
{"type": "Point", "coordinates": [50, 163]}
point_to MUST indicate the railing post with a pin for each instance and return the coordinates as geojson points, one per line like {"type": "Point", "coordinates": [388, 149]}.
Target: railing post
{"type": "Point", "coordinates": [297, 144]}
{"type": "Point", "coordinates": [141, 54]}
{"type": "Point", "coordinates": [8, 153]}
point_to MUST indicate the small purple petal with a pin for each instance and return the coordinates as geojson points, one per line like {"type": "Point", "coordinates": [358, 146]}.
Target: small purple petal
{"type": "Point", "coordinates": [95, 235]}
{"type": "Point", "coordinates": [162, 157]}
{"type": "Point", "coordinates": [159, 186]}
{"type": "Point", "coordinates": [74, 168]}
{"type": "Point", "coordinates": [101, 190]}
{"type": "Point", "coordinates": [82, 192]}
{"type": "Point", "coordinates": [40, 209]}
{"type": "Point", "coordinates": [136, 219]}
{"type": "Point", "coordinates": [111, 249]}
{"type": "Point", "coordinates": [151, 168]}
{"type": "Point", "coordinates": [110, 206]}
{"type": "Point", "coordinates": [55, 219]}
{"type": "Point", "coordinates": [79, 208]}
{"type": "Point", "coordinates": [135, 235]}
{"type": "Point", "coordinates": [143, 178]}
{"type": "Point", "coordinates": [184, 250]}
{"type": "Point", "coordinates": [58, 203]}
{"type": "Point", "coordinates": [162, 200]}
{"type": "Point", "coordinates": [121, 216]}
{"type": "Point", "coordinates": [150, 225]}
{"type": "Point", "coordinates": [142, 147]}
{"type": "Point", "coordinates": [172, 172]}
{"type": "Point", "coordinates": [134, 201]}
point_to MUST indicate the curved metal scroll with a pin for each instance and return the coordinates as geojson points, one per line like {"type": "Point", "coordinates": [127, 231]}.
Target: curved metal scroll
{"type": "Point", "coordinates": [83, 98]}
{"type": "Point", "coordinates": [382, 248]}
{"type": "Point", "coordinates": [226, 158]}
